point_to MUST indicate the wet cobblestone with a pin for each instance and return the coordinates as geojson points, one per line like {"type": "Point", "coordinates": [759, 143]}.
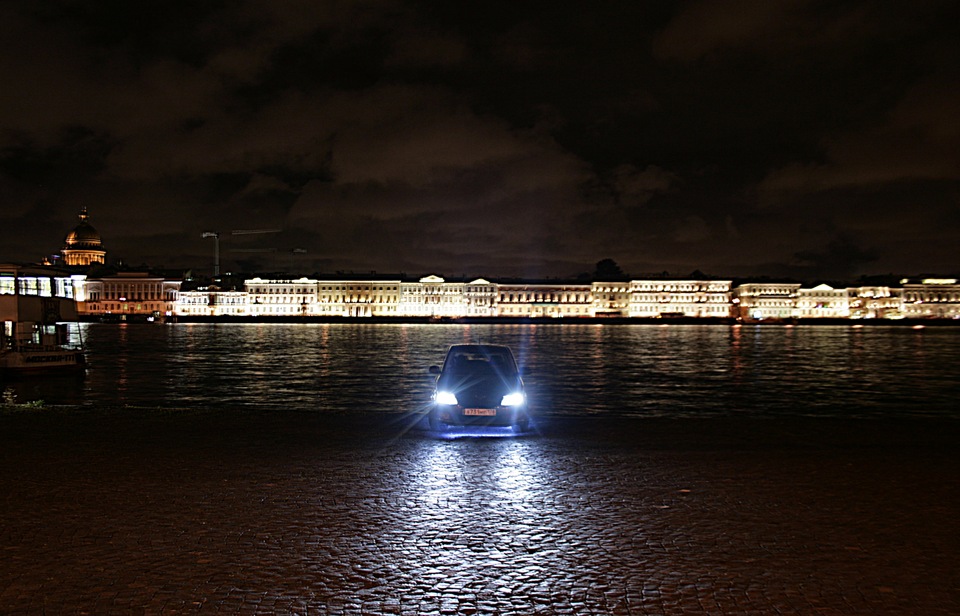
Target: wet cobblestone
{"type": "Point", "coordinates": [295, 514]}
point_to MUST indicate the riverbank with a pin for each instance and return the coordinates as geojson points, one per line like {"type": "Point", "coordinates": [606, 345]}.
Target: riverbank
{"type": "Point", "coordinates": [507, 320]}
{"type": "Point", "coordinates": [111, 510]}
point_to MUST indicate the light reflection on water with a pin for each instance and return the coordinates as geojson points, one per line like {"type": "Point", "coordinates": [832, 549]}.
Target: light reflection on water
{"type": "Point", "coordinates": [635, 370]}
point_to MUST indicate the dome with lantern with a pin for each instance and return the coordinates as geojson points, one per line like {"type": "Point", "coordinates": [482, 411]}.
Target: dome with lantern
{"type": "Point", "coordinates": [83, 245]}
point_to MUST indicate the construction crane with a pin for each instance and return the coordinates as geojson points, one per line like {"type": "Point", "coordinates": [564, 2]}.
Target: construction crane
{"type": "Point", "coordinates": [216, 243]}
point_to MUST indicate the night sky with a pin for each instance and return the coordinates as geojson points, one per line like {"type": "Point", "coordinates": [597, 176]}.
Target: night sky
{"type": "Point", "coordinates": [804, 139]}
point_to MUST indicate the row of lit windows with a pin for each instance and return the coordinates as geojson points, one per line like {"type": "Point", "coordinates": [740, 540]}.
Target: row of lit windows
{"type": "Point", "coordinates": [169, 296]}
{"type": "Point", "coordinates": [693, 310]}
{"type": "Point", "coordinates": [41, 286]}
{"type": "Point", "coordinates": [543, 297]}
{"type": "Point", "coordinates": [522, 310]}
{"type": "Point", "coordinates": [748, 290]}
{"type": "Point", "coordinates": [125, 307]}
{"type": "Point", "coordinates": [770, 302]}
{"type": "Point", "coordinates": [931, 297]}
{"type": "Point", "coordinates": [662, 299]}
{"type": "Point", "coordinates": [681, 288]}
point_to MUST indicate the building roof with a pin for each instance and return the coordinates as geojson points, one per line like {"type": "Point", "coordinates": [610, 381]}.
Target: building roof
{"type": "Point", "coordinates": [84, 236]}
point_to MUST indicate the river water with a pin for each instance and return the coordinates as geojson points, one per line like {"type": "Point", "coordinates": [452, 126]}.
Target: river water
{"type": "Point", "coordinates": [570, 369]}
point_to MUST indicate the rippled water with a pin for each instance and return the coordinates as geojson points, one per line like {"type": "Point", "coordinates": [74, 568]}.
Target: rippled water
{"type": "Point", "coordinates": [636, 370]}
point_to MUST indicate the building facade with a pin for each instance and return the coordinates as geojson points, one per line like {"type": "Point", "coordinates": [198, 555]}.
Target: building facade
{"type": "Point", "coordinates": [140, 294]}
{"type": "Point", "coordinates": [760, 301]}
{"type": "Point", "coordinates": [686, 298]}
{"type": "Point", "coordinates": [128, 294]}
{"type": "Point", "coordinates": [543, 300]}
{"type": "Point", "coordinates": [937, 298]}
{"type": "Point", "coordinates": [876, 302]}
{"type": "Point", "coordinates": [823, 302]}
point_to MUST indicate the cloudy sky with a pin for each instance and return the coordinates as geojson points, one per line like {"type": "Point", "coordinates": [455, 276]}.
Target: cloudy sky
{"type": "Point", "coordinates": [811, 139]}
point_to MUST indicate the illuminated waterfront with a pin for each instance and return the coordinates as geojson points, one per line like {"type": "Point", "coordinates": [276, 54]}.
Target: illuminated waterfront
{"type": "Point", "coordinates": [611, 370]}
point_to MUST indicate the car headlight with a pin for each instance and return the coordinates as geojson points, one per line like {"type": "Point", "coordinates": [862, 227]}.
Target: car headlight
{"type": "Point", "coordinates": [445, 397]}
{"type": "Point", "coordinates": [513, 399]}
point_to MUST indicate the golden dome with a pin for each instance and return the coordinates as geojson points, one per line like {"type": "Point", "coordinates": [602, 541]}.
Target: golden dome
{"type": "Point", "coordinates": [83, 235]}
{"type": "Point", "coordinates": [83, 245]}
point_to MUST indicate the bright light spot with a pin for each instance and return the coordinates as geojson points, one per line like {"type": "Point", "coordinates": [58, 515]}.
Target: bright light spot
{"type": "Point", "coordinates": [513, 399]}
{"type": "Point", "coordinates": [445, 397]}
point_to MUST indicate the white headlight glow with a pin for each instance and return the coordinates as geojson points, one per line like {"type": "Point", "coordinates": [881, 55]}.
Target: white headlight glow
{"type": "Point", "coordinates": [445, 397]}
{"type": "Point", "coordinates": [514, 399]}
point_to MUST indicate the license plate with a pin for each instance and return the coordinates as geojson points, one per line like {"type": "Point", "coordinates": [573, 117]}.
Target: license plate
{"type": "Point", "coordinates": [481, 412]}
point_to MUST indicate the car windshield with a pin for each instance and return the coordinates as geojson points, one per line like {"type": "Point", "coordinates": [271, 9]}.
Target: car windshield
{"type": "Point", "coordinates": [480, 360]}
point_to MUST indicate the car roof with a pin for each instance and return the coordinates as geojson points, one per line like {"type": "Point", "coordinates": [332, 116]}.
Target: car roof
{"type": "Point", "coordinates": [477, 347]}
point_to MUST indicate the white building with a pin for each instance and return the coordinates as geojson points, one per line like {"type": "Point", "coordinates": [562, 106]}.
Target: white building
{"type": "Point", "coordinates": [758, 301]}
{"type": "Point", "coordinates": [128, 294]}
{"type": "Point", "coordinates": [937, 298]}
{"type": "Point", "coordinates": [544, 300]}
{"type": "Point", "coordinates": [212, 302]}
{"type": "Point", "coordinates": [281, 297]}
{"type": "Point", "coordinates": [689, 298]}
{"type": "Point", "coordinates": [480, 297]}
{"type": "Point", "coordinates": [611, 299]}
{"type": "Point", "coordinates": [823, 301]}
{"type": "Point", "coordinates": [432, 296]}
{"type": "Point", "coordinates": [875, 302]}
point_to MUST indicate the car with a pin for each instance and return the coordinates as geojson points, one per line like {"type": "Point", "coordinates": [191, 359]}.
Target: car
{"type": "Point", "coordinates": [479, 385]}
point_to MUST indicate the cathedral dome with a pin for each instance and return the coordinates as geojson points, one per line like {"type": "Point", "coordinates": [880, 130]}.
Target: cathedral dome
{"type": "Point", "coordinates": [84, 233]}
{"type": "Point", "coordinates": [83, 245]}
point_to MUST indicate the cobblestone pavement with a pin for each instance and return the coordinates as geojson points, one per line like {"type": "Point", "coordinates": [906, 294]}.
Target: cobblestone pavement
{"type": "Point", "coordinates": [223, 512]}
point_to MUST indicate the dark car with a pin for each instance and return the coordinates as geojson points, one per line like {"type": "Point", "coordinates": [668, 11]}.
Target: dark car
{"type": "Point", "coordinates": [479, 384]}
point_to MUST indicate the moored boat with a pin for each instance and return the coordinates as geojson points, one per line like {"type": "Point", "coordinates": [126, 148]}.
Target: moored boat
{"type": "Point", "coordinates": [36, 306]}
{"type": "Point", "coordinates": [35, 348]}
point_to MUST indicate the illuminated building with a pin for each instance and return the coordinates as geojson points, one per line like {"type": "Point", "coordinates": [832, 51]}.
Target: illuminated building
{"type": "Point", "coordinates": [544, 300]}
{"type": "Point", "coordinates": [83, 245]}
{"type": "Point", "coordinates": [140, 294]}
{"type": "Point", "coordinates": [432, 296]}
{"type": "Point", "coordinates": [937, 298]}
{"type": "Point", "coordinates": [875, 303]}
{"type": "Point", "coordinates": [128, 294]}
{"type": "Point", "coordinates": [823, 302]}
{"type": "Point", "coordinates": [356, 298]}
{"type": "Point", "coordinates": [281, 297]}
{"type": "Point", "coordinates": [481, 298]}
{"type": "Point", "coordinates": [689, 298]}
{"type": "Point", "coordinates": [212, 302]}
{"type": "Point", "coordinates": [610, 299]}
{"type": "Point", "coordinates": [758, 301]}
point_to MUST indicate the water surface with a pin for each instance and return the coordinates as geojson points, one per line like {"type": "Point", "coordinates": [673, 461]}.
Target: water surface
{"type": "Point", "coordinates": [590, 369]}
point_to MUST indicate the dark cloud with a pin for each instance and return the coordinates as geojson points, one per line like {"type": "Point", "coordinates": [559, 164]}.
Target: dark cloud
{"type": "Point", "coordinates": [804, 137]}
{"type": "Point", "coordinates": [840, 260]}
